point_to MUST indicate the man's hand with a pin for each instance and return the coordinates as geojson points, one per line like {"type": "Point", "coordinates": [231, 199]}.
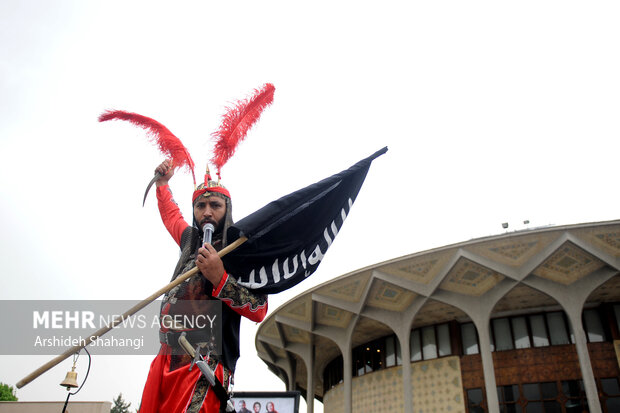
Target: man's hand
{"type": "Point", "coordinates": [166, 171]}
{"type": "Point", "coordinates": [210, 264]}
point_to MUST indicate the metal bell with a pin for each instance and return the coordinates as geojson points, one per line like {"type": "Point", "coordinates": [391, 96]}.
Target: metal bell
{"type": "Point", "coordinates": [70, 380]}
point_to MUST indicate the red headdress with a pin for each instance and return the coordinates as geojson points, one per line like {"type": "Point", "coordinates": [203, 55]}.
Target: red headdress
{"type": "Point", "coordinates": [237, 121]}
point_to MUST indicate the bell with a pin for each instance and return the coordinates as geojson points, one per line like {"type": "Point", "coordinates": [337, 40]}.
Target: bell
{"type": "Point", "coordinates": [70, 380]}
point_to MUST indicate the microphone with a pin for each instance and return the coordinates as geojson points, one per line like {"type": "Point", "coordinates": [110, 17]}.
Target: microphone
{"type": "Point", "coordinates": [208, 233]}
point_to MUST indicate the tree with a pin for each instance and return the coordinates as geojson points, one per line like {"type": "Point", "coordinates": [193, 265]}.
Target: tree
{"type": "Point", "coordinates": [7, 394]}
{"type": "Point", "coordinates": [119, 405]}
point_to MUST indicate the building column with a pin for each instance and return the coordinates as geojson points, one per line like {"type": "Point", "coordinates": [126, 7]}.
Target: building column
{"type": "Point", "coordinates": [347, 379]}
{"type": "Point", "coordinates": [291, 372]}
{"type": "Point", "coordinates": [310, 379]}
{"type": "Point", "coordinates": [343, 339]}
{"type": "Point", "coordinates": [488, 369]}
{"type": "Point", "coordinates": [344, 343]}
{"type": "Point", "coordinates": [291, 376]}
{"type": "Point", "coordinates": [405, 353]}
{"type": "Point", "coordinates": [585, 364]}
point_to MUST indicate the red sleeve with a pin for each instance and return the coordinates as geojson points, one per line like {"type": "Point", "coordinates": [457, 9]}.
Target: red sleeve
{"type": "Point", "coordinates": [170, 213]}
{"type": "Point", "coordinates": [241, 300]}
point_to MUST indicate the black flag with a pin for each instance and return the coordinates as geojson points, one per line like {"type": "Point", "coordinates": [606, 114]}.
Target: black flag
{"type": "Point", "coordinates": [288, 238]}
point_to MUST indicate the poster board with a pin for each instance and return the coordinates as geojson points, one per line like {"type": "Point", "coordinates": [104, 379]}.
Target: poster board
{"type": "Point", "coordinates": [263, 402]}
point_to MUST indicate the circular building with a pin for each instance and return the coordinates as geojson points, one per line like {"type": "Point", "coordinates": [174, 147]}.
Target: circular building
{"type": "Point", "coordinates": [527, 321]}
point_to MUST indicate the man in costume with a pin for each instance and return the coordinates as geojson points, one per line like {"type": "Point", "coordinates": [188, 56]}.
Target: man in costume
{"type": "Point", "coordinates": [170, 386]}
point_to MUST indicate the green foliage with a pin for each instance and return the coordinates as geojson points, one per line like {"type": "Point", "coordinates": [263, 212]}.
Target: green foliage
{"type": "Point", "coordinates": [119, 405]}
{"type": "Point", "coordinates": [7, 394]}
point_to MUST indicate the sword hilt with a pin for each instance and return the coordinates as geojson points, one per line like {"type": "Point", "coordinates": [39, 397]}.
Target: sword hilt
{"type": "Point", "coordinates": [197, 359]}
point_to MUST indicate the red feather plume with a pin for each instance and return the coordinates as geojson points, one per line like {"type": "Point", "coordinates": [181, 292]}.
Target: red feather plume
{"type": "Point", "coordinates": [166, 141]}
{"type": "Point", "coordinates": [237, 122]}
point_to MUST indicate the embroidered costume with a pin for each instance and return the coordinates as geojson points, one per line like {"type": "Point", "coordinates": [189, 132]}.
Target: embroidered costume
{"type": "Point", "coordinates": [170, 387]}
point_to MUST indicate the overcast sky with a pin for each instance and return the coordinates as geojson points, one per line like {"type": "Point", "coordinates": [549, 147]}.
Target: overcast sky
{"type": "Point", "coordinates": [493, 112]}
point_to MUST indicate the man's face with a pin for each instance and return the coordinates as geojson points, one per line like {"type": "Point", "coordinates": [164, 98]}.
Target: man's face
{"type": "Point", "coordinates": [210, 210]}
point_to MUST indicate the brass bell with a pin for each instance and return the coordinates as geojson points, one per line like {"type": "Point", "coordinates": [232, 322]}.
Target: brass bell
{"type": "Point", "coordinates": [70, 380]}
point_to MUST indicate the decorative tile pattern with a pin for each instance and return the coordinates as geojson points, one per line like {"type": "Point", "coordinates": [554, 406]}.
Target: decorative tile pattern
{"type": "Point", "coordinates": [470, 278]}
{"type": "Point", "coordinates": [605, 238]}
{"type": "Point", "coordinates": [332, 316]}
{"type": "Point", "coordinates": [350, 289]}
{"type": "Point", "coordinates": [421, 269]}
{"type": "Point", "coordinates": [381, 391]}
{"type": "Point", "coordinates": [611, 241]}
{"type": "Point", "coordinates": [295, 335]}
{"type": "Point", "coordinates": [568, 264]}
{"type": "Point", "coordinates": [434, 312]}
{"type": "Point", "coordinates": [607, 293]}
{"type": "Point", "coordinates": [299, 309]}
{"type": "Point", "coordinates": [523, 297]}
{"type": "Point", "coordinates": [333, 400]}
{"type": "Point", "coordinates": [513, 251]}
{"type": "Point", "coordinates": [437, 386]}
{"type": "Point", "coordinates": [389, 296]}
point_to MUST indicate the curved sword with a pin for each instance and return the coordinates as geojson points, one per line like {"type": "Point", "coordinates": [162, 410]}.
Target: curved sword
{"type": "Point", "coordinates": [148, 188]}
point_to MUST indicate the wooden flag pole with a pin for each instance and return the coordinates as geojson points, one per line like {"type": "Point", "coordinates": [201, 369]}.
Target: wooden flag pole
{"type": "Point", "coordinates": [56, 360]}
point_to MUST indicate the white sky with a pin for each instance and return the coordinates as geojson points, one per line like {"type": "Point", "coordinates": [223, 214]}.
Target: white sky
{"type": "Point", "coordinates": [493, 112]}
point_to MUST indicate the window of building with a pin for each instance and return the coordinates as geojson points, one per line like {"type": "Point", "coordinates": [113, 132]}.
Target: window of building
{"type": "Point", "coordinates": [508, 397]}
{"type": "Point", "coordinates": [443, 340]}
{"type": "Point", "coordinates": [547, 397]}
{"type": "Point", "coordinates": [502, 334]}
{"type": "Point", "coordinates": [333, 373]}
{"type": "Point", "coordinates": [611, 394]}
{"type": "Point", "coordinates": [358, 362]}
{"type": "Point", "coordinates": [574, 395]}
{"type": "Point", "coordinates": [593, 326]}
{"type": "Point", "coordinates": [393, 356]}
{"type": "Point", "coordinates": [534, 330]}
{"type": "Point", "coordinates": [469, 338]}
{"type": "Point", "coordinates": [510, 333]}
{"type": "Point", "coordinates": [533, 400]}
{"type": "Point", "coordinates": [376, 355]}
{"type": "Point", "coordinates": [521, 335]}
{"type": "Point", "coordinates": [475, 400]}
{"type": "Point", "coordinates": [539, 330]}
{"type": "Point", "coordinates": [558, 331]}
{"type": "Point", "coordinates": [373, 357]}
{"type": "Point", "coordinates": [429, 343]}
{"type": "Point", "coordinates": [390, 351]}
{"type": "Point", "coordinates": [415, 346]}
{"type": "Point", "coordinates": [617, 315]}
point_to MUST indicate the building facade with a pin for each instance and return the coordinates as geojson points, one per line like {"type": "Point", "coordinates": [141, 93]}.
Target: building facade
{"type": "Point", "coordinates": [527, 321]}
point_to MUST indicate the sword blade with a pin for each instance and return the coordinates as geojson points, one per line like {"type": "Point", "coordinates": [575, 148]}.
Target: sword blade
{"type": "Point", "coordinates": [148, 188]}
